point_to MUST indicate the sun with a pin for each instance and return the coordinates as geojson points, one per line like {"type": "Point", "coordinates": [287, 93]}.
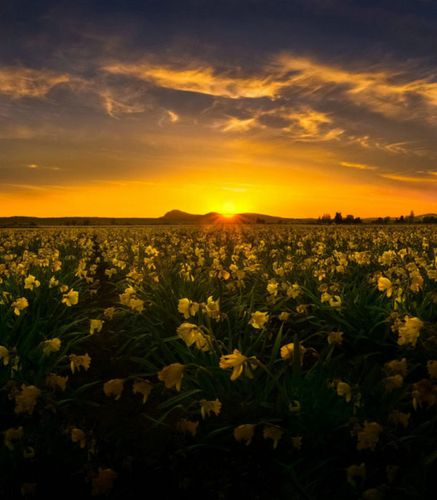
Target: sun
{"type": "Point", "coordinates": [228, 209]}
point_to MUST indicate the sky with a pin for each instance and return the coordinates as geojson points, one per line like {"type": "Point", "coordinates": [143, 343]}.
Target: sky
{"type": "Point", "coordinates": [291, 108]}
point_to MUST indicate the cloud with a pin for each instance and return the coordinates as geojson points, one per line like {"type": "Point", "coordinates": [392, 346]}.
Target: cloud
{"type": "Point", "coordinates": [114, 107]}
{"type": "Point", "coordinates": [168, 117]}
{"type": "Point", "coordinates": [410, 179]}
{"type": "Point", "coordinates": [389, 91]}
{"type": "Point", "coordinates": [20, 82]}
{"type": "Point", "coordinates": [35, 166]}
{"type": "Point", "coordinates": [202, 80]}
{"type": "Point", "coordinates": [234, 124]}
{"type": "Point", "coordinates": [358, 166]}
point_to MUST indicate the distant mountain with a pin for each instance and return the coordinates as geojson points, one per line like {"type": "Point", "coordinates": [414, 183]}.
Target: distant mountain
{"type": "Point", "coordinates": [172, 217]}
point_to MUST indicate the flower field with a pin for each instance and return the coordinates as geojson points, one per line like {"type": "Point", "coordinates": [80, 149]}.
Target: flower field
{"type": "Point", "coordinates": [235, 362]}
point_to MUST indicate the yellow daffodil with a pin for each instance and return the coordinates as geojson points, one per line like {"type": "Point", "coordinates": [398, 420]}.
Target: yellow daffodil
{"type": "Point", "coordinates": [344, 389]}
{"type": "Point", "coordinates": [287, 352]}
{"type": "Point", "coordinates": [187, 307]}
{"type": "Point", "coordinates": [79, 361]}
{"type": "Point", "coordinates": [172, 375]}
{"type": "Point", "coordinates": [70, 298]}
{"type": "Point", "coordinates": [212, 308]}
{"type": "Point", "coordinates": [368, 435]}
{"type": "Point", "coordinates": [274, 433]}
{"type": "Point", "coordinates": [393, 382]}
{"type": "Point", "coordinates": [409, 331]}
{"type": "Point", "coordinates": [4, 355]}
{"type": "Point", "coordinates": [55, 381]}
{"type": "Point", "coordinates": [103, 482]}
{"type": "Point", "coordinates": [25, 400]}
{"type": "Point", "coordinates": [386, 286]}
{"type": "Point", "coordinates": [12, 435]}
{"type": "Point", "coordinates": [51, 345]}
{"type": "Point", "coordinates": [284, 316]}
{"type": "Point", "coordinates": [396, 366]}
{"type": "Point", "coordinates": [208, 407]}
{"type": "Point", "coordinates": [258, 319]}
{"type": "Point", "coordinates": [78, 436]}
{"type": "Point", "coordinates": [31, 282]}
{"type": "Point", "coordinates": [244, 433]}
{"type": "Point", "coordinates": [190, 426]}
{"type": "Point", "coordinates": [96, 325]}
{"type": "Point", "coordinates": [335, 338]}
{"type": "Point", "coordinates": [399, 418]}
{"type": "Point", "coordinates": [354, 472]}
{"type": "Point", "coordinates": [239, 363]}
{"type": "Point", "coordinates": [143, 387]}
{"type": "Point", "coordinates": [19, 305]}
{"type": "Point", "coordinates": [109, 312]}
{"type": "Point", "coordinates": [114, 388]}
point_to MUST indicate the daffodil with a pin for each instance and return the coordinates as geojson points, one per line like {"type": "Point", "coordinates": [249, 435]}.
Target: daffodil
{"type": "Point", "coordinates": [335, 338]}
{"type": "Point", "coordinates": [172, 375]}
{"type": "Point", "coordinates": [212, 308]}
{"type": "Point", "coordinates": [55, 381]}
{"type": "Point", "coordinates": [185, 425]}
{"type": "Point", "coordinates": [244, 433]}
{"type": "Point", "coordinates": [70, 298]}
{"type": "Point", "coordinates": [31, 282]}
{"type": "Point", "coordinates": [78, 436]}
{"type": "Point", "coordinates": [287, 352]}
{"type": "Point", "coordinates": [393, 382]}
{"type": "Point", "coordinates": [143, 387]}
{"type": "Point", "coordinates": [51, 345]}
{"type": "Point", "coordinates": [19, 305]}
{"type": "Point", "coordinates": [284, 316]}
{"type": "Point", "coordinates": [25, 400]}
{"type": "Point", "coordinates": [96, 325]}
{"type": "Point", "coordinates": [385, 285]}
{"type": "Point", "coordinates": [344, 389]}
{"type": "Point", "coordinates": [409, 331]}
{"type": "Point", "coordinates": [239, 363]}
{"type": "Point", "coordinates": [79, 361]}
{"type": "Point", "coordinates": [396, 366]}
{"type": "Point", "coordinates": [4, 355]}
{"type": "Point", "coordinates": [114, 388]}
{"type": "Point", "coordinates": [296, 442]}
{"type": "Point", "coordinates": [187, 307]}
{"type": "Point", "coordinates": [354, 472]}
{"type": "Point", "coordinates": [368, 436]}
{"type": "Point", "coordinates": [103, 482]}
{"type": "Point", "coordinates": [274, 433]}
{"type": "Point", "coordinates": [208, 407]}
{"type": "Point", "coordinates": [258, 319]}
{"type": "Point", "coordinates": [399, 418]}
{"type": "Point", "coordinates": [12, 435]}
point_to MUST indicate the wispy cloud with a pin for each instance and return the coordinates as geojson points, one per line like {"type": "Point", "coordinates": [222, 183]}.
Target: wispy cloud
{"type": "Point", "coordinates": [20, 82]}
{"type": "Point", "coordinates": [388, 91]}
{"type": "Point", "coordinates": [410, 178]}
{"type": "Point", "coordinates": [202, 80]}
{"type": "Point", "coordinates": [358, 166]}
{"type": "Point", "coordinates": [35, 166]}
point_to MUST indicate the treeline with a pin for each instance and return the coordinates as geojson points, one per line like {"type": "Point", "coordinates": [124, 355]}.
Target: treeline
{"type": "Point", "coordinates": [402, 219]}
{"type": "Point", "coordinates": [339, 219]}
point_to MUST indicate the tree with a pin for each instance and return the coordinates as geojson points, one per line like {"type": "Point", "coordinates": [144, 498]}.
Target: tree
{"type": "Point", "coordinates": [338, 219]}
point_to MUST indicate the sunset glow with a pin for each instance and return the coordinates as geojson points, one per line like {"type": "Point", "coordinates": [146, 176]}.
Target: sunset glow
{"type": "Point", "coordinates": [108, 119]}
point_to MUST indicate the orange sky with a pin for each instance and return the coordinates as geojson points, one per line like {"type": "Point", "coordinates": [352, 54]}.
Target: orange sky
{"type": "Point", "coordinates": [105, 121]}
